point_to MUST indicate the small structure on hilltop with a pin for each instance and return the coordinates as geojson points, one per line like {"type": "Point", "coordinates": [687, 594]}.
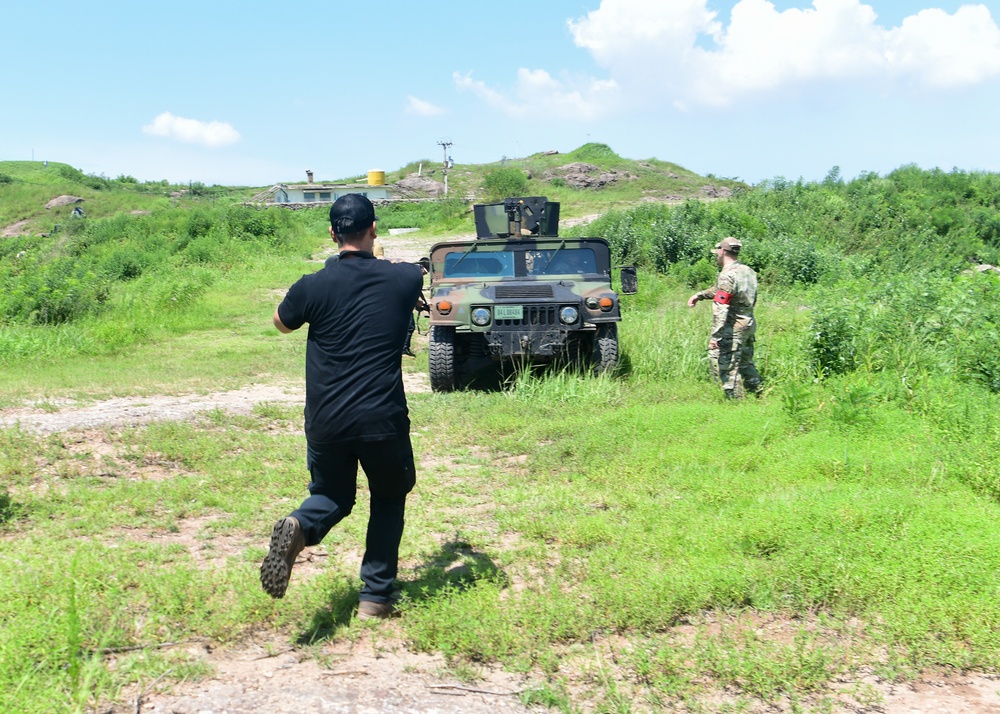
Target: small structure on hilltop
{"type": "Point", "coordinates": [310, 193]}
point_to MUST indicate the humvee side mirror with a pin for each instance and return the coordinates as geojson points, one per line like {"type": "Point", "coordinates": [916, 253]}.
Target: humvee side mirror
{"type": "Point", "coordinates": [629, 280]}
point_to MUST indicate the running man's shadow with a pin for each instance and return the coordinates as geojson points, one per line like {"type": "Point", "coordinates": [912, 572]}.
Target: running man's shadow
{"type": "Point", "coordinates": [456, 565]}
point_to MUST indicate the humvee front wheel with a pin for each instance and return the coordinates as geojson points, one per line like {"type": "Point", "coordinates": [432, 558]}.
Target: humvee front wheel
{"type": "Point", "coordinates": [605, 355]}
{"type": "Point", "coordinates": [442, 358]}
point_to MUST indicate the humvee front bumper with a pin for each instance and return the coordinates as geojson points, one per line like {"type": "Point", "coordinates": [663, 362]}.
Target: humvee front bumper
{"type": "Point", "coordinates": [501, 344]}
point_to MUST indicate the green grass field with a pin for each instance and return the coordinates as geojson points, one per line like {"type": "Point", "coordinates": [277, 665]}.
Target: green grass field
{"type": "Point", "coordinates": [632, 544]}
{"type": "Point", "coordinates": [641, 514]}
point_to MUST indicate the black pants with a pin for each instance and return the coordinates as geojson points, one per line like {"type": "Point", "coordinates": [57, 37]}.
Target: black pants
{"type": "Point", "coordinates": [409, 333]}
{"type": "Point", "coordinates": [333, 490]}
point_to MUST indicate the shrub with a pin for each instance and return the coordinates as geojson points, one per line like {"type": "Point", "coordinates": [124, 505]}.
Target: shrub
{"type": "Point", "coordinates": [686, 236]}
{"type": "Point", "coordinates": [98, 183]}
{"type": "Point", "coordinates": [245, 223]}
{"type": "Point", "coordinates": [124, 263]}
{"type": "Point", "coordinates": [503, 182]}
{"type": "Point", "coordinates": [832, 346]}
{"type": "Point", "coordinates": [206, 249]}
{"type": "Point", "coordinates": [979, 360]}
{"type": "Point", "coordinates": [422, 214]}
{"type": "Point", "coordinates": [627, 233]}
{"type": "Point", "coordinates": [54, 292]}
{"type": "Point", "coordinates": [179, 290]}
{"type": "Point", "coordinates": [786, 260]}
{"type": "Point", "coordinates": [700, 274]}
{"type": "Point", "coordinates": [199, 223]}
{"type": "Point", "coordinates": [593, 153]}
{"type": "Point", "coordinates": [69, 173]}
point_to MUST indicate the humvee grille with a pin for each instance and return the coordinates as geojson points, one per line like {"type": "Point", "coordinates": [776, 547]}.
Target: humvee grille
{"type": "Point", "coordinates": [519, 292]}
{"type": "Point", "coordinates": [534, 315]}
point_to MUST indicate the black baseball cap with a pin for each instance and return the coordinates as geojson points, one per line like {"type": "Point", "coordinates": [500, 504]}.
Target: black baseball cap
{"type": "Point", "coordinates": [352, 213]}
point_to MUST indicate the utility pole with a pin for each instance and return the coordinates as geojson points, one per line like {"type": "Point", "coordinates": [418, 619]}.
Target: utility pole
{"type": "Point", "coordinates": [444, 144]}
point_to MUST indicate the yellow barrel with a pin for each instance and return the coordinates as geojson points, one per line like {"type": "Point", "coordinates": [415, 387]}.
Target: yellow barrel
{"type": "Point", "coordinates": [376, 177]}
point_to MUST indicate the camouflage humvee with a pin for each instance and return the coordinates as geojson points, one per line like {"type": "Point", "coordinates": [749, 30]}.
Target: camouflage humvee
{"type": "Point", "coordinates": [520, 292]}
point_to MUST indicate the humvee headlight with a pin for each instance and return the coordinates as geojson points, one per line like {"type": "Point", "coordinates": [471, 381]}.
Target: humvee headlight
{"type": "Point", "coordinates": [593, 303]}
{"type": "Point", "coordinates": [606, 303]}
{"type": "Point", "coordinates": [443, 307]}
{"type": "Point", "coordinates": [569, 315]}
{"type": "Point", "coordinates": [481, 316]}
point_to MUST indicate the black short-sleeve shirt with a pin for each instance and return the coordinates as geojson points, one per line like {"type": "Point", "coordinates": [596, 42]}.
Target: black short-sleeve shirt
{"type": "Point", "coordinates": [358, 309]}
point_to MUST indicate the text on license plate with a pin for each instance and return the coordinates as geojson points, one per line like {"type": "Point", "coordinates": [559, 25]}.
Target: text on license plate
{"type": "Point", "coordinates": [508, 312]}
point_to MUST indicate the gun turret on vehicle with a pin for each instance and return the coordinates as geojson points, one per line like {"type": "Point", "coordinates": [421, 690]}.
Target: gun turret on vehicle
{"type": "Point", "coordinates": [519, 291]}
{"type": "Point", "coordinates": [517, 217]}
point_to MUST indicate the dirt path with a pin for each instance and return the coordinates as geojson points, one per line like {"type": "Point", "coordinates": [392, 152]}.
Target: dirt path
{"type": "Point", "coordinates": [129, 411]}
{"type": "Point", "coordinates": [14, 229]}
{"type": "Point", "coordinates": [367, 675]}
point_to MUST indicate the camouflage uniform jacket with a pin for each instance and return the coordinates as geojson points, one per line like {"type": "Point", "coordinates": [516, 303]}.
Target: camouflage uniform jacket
{"type": "Point", "coordinates": [735, 312]}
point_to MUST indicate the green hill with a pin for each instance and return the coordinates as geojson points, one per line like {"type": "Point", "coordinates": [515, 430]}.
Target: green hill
{"type": "Point", "coordinates": [26, 187]}
{"type": "Point", "coordinates": [589, 180]}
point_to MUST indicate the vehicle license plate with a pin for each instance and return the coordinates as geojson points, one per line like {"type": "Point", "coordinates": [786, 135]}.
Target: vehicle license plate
{"type": "Point", "coordinates": [508, 312]}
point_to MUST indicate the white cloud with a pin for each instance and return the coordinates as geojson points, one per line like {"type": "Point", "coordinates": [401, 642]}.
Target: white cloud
{"type": "Point", "coordinates": [679, 51]}
{"type": "Point", "coordinates": [841, 40]}
{"type": "Point", "coordinates": [492, 97]}
{"type": "Point", "coordinates": [537, 93]}
{"type": "Point", "coordinates": [947, 50]}
{"type": "Point", "coordinates": [625, 30]}
{"type": "Point", "coordinates": [422, 108]}
{"type": "Point", "coordinates": [192, 131]}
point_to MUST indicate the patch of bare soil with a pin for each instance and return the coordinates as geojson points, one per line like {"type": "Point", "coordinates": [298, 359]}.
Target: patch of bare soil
{"type": "Point", "coordinates": [368, 674]}
{"type": "Point", "coordinates": [130, 411]}
{"type": "Point", "coordinates": [579, 221]}
{"type": "Point", "coordinates": [139, 410]}
{"type": "Point", "coordinates": [14, 229]}
{"type": "Point", "coordinates": [208, 550]}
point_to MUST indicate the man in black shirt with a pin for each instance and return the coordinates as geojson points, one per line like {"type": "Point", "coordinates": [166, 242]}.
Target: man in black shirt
{"type": "Point", "coordinates": [357, 309]}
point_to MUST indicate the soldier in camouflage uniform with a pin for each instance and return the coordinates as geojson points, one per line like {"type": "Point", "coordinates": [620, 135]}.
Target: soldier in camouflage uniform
{"type": "Point", "coordinates": [730, 346]}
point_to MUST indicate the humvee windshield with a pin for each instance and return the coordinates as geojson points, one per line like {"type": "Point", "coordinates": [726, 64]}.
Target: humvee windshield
{"type": "Point", "coordinates": [520, 263]}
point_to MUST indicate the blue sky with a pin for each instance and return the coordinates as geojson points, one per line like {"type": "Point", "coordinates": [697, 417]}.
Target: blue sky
{"type": "Point", "coordinates": [254, 93]}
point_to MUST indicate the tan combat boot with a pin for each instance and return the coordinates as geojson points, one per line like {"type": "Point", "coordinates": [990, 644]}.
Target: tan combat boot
{"type": "Point", "coordinates": [287, 541]}
{"type": "Point", "coordinates": [368, 610]}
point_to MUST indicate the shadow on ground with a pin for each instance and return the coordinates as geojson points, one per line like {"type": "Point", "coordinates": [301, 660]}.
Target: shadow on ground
{"type": "Point", "coordinates": [456, 565]}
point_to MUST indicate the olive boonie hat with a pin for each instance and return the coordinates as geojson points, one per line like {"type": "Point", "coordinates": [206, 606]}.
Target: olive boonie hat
{"type": "Point", "coordinates": [730, 245]}
{"type": "Point", "coordinates": [352, 213]}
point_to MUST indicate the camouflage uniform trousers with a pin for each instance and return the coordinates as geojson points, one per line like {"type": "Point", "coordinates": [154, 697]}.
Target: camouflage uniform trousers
{"type": "Point", "coordinates": [733, 358]}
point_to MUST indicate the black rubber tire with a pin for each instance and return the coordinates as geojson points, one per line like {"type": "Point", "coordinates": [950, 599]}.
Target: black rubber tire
{"type": "Point", "coordinates": [441, 358]}
{"type": "Point", "coordinates": [605, 354]}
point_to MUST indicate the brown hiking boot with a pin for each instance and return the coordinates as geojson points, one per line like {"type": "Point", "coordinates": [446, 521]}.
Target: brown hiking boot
{"type": "Point", "coordinates": [287, 541]}
{"type": "Point", "coordinates": [368, 610]}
